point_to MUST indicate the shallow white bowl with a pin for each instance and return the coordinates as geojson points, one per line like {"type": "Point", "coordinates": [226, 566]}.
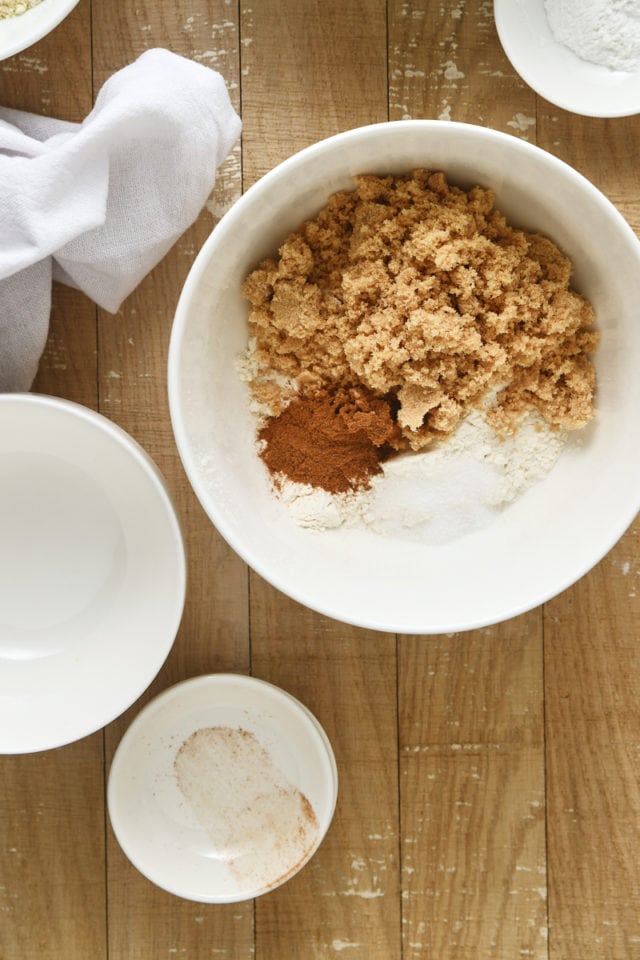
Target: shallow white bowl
{"type": "Point", "coordinates": [555, 72]}
{"type": "Point", "coordinates": [92, 572]}
{"type": "Point", "coordinates": [542, 543]}
{"type": "Point", "coordinates": [226, 831]}
{"type": "Point", "coordinates": [18, 33]}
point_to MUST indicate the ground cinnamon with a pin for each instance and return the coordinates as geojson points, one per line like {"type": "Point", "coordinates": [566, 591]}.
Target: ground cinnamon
{"type": "Point", "coordinates": [335, 439]}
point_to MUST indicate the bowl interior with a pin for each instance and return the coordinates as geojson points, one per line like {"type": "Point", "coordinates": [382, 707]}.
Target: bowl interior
{"type": "Point", "coordinates": [541, 543]}
{"type": "Point", "coordinates": [92, 566]}
{"type": "Point", "coordinates": [187, 774]}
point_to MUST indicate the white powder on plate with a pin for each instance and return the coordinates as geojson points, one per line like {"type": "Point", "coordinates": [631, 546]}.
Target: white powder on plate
{"type": "Point", "coordinates": [439, 494]}
{"type": "Point", "coordinates": [606, 32]}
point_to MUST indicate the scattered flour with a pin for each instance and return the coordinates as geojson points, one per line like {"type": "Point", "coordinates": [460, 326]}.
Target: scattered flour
{"type": "Point", "coordinates": [441, 494]}
{"type": "Point", "coordinates": [605, 32]}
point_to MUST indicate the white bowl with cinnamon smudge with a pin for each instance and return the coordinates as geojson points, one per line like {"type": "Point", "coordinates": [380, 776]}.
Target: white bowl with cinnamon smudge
{"type": "Point", "coordinates": [538, 545]}
{"type": "Point", "coordinates": [222, 788]}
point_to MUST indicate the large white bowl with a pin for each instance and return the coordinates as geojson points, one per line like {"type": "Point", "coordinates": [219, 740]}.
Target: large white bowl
{"type": "Point", "coordinates": [92, 572]}
{"type": "Point", "coordinates": [542, 543]}
{"type": "Point", "coordinates": [18, 33]}
{"type": "Point", "coordinates": [555, 72]}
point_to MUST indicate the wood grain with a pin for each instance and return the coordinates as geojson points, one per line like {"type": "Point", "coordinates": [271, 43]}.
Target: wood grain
{"type": "Point", "coordinates": [445, 63]}
{"type": "Point", "coordinates": [489, 796]}
{"type": "Point", "coordinates": [309, 70]}
{"type": "Point", "coordinates": [593, 755]}
{"type": "Point", "coordinates": [52, 855]}
{"type": "Point", "coordinates": [473, 793]}
{"type": "Point", "coordinates": [591, 667]}
{"type": "Point", "coordinates": [348, 897]}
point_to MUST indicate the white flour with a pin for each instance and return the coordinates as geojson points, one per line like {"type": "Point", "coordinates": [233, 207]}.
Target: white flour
{"type": "Point", "coordinates": [441, 494]}
{"type": "Point", "coordinates": [605, 32]}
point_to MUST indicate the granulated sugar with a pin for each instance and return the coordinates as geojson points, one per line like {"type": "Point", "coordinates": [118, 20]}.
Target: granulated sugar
{"type": "Point", "coordinates": [441, 494]}
{"type": "Point", "coordinates": [605, 32]}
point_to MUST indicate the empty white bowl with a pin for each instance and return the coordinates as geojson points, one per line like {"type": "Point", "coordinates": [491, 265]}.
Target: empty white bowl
{"type": "Point", "coordinates": [18, 33]}
{"type": "Point", "coordinates": [555, 72]}
{"type": "Point", "coordinates": [222, 788]}
{"type": "Point", "coordinates": [541, 543]}
{"type": "Point", "coordinates": [92, 572]}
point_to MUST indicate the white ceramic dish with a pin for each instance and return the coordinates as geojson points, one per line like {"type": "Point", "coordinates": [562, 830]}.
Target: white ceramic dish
{"type": "Point", "coordinates": [92, 572]}
{"type": "Point", "coordinates": [222, 788]}
{"type": "Point", "coordinates": [555, 72]}
{"type": "Point", "coordinates": [18, 33]}
{"type": "Point", "coordinates": [539, 545]}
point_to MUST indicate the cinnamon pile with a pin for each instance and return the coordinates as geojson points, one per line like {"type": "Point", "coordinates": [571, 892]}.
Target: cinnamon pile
{"type": "Point", "coordinates": [335, 439]}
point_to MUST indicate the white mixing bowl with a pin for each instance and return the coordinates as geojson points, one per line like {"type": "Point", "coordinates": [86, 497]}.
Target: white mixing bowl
{"type": "Point", "coordinates": [92, 572]}
{"type": "Point", "coordinates": [538, 546]}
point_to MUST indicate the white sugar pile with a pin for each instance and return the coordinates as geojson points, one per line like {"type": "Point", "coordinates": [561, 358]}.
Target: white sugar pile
{"type": "Point", "coordinates": [606, 32]}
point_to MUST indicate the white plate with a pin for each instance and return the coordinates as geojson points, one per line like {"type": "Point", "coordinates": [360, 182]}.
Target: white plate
{"type": "Point", "coordinates": [186, 772]}
{"type": "Point", "coordinates": [18, 33]}
{"type": "Point", "coordinates": [92, 572]}
{"type": "Point", "coordinates": [555, 72]}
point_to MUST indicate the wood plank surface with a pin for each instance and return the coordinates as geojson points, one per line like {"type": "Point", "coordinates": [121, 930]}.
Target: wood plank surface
{"type": "Point", "coordinates": [489, 801]}
{"type": "Point", "coordinates": [592, 667]}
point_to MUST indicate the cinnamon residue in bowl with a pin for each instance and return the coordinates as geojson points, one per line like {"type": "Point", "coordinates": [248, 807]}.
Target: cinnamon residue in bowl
{"type": "Point", "coordinates": [396, 311]}
{"type": "Point", "coordinates": [257, 821]}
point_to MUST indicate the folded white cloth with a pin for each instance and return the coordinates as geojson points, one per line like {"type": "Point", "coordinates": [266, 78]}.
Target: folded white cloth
{"type": "Point", "coordinates": [98, 204]}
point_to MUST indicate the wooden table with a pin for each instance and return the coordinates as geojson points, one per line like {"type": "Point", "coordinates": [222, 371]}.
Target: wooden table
{"type": "Point", "coordinates": [489, 801]}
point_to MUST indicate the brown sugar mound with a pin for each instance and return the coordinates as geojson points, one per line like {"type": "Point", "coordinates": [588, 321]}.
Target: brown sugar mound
{"type": "Point", "coordinates": [421, 291]}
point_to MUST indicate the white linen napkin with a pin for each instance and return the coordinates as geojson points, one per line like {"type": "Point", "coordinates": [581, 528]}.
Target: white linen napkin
{"type": "Point", "coordinates": [97, 204]}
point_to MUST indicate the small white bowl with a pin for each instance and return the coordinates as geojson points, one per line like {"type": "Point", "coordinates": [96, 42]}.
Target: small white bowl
{"type": "Point", "coordinates": [18, 33]}
{"type": "Point", "coordinates": [92, 572]}
{"type": "Point", "coordinates": [536, 547]}
{"type": "Point", "coordinates": [222, 788]}
{"type": "Point", "coordinates": [555, 72]}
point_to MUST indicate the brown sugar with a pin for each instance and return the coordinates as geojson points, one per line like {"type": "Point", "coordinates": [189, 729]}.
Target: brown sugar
{"type": "Point", "coordinates": [411, 289]}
